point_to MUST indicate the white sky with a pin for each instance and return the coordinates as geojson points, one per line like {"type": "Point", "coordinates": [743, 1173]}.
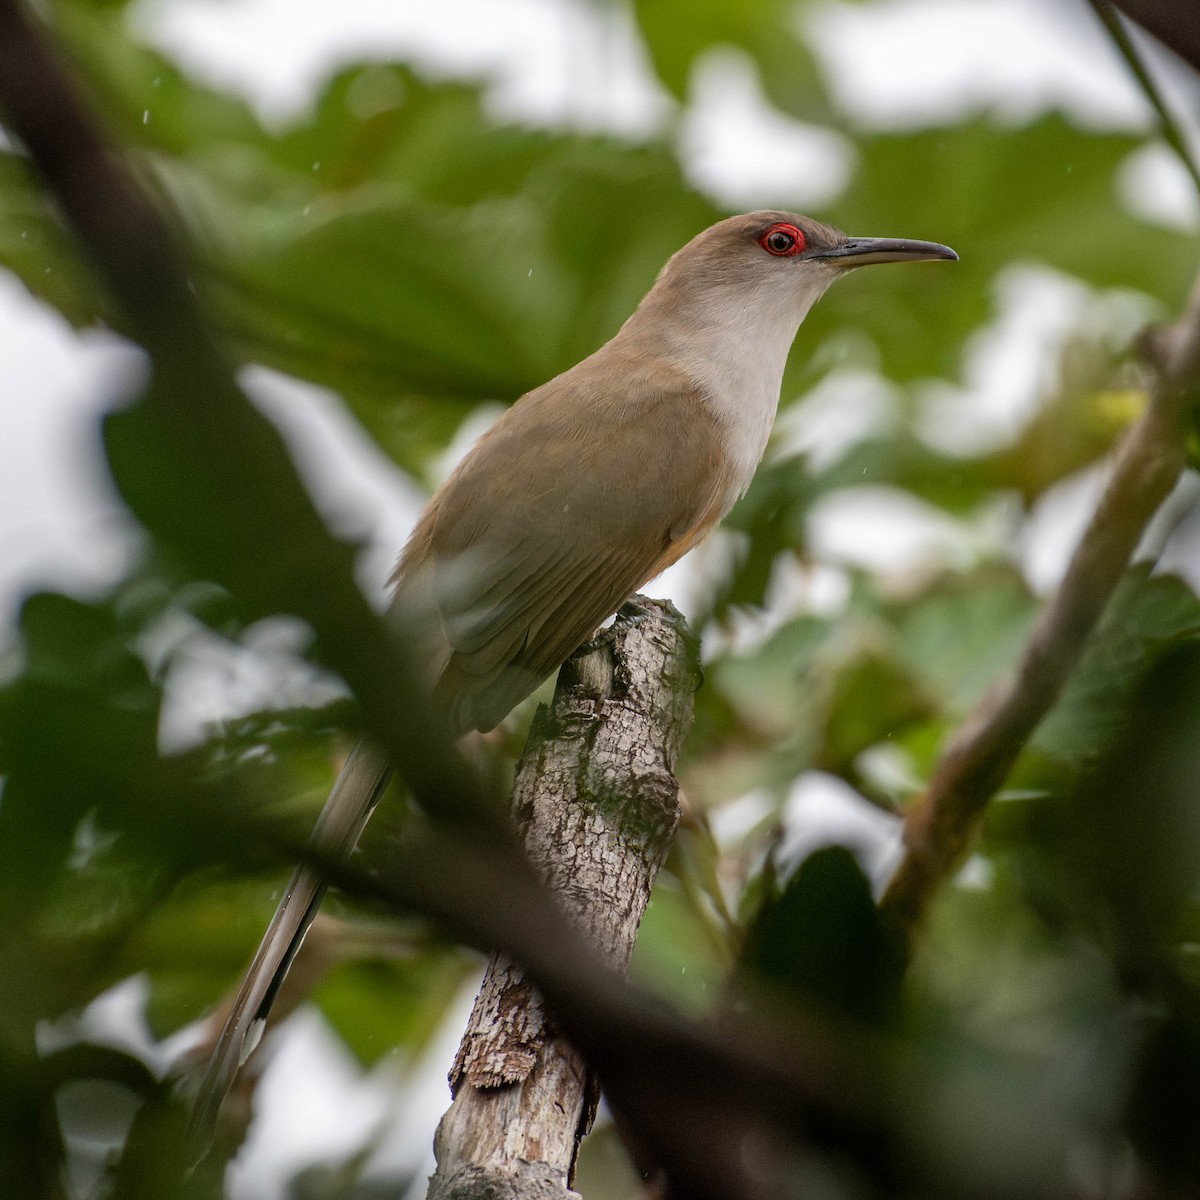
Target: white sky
{"type": "Point", "coordinates": [567, 62]}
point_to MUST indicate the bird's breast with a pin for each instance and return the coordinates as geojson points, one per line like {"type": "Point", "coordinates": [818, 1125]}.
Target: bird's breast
{"type": "Point", "coordinates": [742, 397]}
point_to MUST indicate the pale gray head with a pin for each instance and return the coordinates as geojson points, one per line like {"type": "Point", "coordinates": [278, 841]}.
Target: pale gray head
{"type": "Point", "coordinates": [769, 262]}
{"type": "Point", "coordinates": [725, 308]}
{"type": "Point", "coordinates": [784, 249]}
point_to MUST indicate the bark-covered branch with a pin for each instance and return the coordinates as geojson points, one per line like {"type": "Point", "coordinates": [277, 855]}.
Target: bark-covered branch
{"type": "Point", "coordinates": [596, 801]}
{"type": "Point", "coordinates": [942, 823]}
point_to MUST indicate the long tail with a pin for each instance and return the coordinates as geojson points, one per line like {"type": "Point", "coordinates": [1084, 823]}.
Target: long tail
{"type": "Point", "coordinates": [350, 804]}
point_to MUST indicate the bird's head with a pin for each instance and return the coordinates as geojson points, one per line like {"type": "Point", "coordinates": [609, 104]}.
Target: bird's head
{"type": "Point", "coordinates": [779, 259]}
{"type": "Point", "coordinates": [727, 306]}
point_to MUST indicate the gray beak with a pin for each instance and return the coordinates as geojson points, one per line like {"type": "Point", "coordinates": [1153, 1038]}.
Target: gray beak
{"type": "Point", "coordinates": [865, 251]}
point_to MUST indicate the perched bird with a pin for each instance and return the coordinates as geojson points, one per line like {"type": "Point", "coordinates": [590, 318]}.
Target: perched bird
{"type": "Point", "coordinates": [588, 487]}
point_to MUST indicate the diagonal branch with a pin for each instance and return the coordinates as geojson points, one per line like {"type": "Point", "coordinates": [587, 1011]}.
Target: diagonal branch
{"type": "Point", "coordinates": [941, 825]}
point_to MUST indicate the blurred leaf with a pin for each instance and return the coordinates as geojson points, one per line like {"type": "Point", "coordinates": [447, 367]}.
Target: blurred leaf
{"type": "Point", "coordinates": [382, 124]}
{"type": "Point", "coordinates": [83, 704]}
{"type": "Point", "coordinates": [396, 246]}
{"type": "Point", "coordinates": [1042, 192]}
{"type": "Point", "coordinates": [35, 247]}
{"type": "Point", "coordinates": [155, 1161]}
{"type": "Point", "coordinates": [195, 945]}
{"type": "Point", "coordinates": [965, 632]}
{"type": "Point", "coordinates": [766, 29]}
{"type": "Point", "coordinates": [1147, 614]}
{"type": "Point", "coordinates": [765, 685]}
{"type": "Point", "coordinates": [345, 1181]}
{"type": "Point", "coordinates": [1125, 856]}
{"type": "Point", "coordinates": [902, 460]}
{"type": "Point", "coordinates": [383, 1008]}
{"type": "Point", "coordinates": [145, 99]}
{"type": "Point", "coordinates": [604, 1169]}
{"type": "Point", "coordinates": [674, 953]}
{"type": "Point", "coordinates": [1135, 829]}
{"type": "Point", "coordinates": [872, 697]}
{"type": "Point", "coordinates": [1165, 1104]}
{"type": "Point", "coordinates": [1076, 425]}
{"type": "Point", "coordinates": [414, 310]}
{"type": "Point", "coordinates": [772, 513]}
{"type": "Point", "coordinates": [821, 938]}
{"type": "Point", "coordinates": [87, 1060]}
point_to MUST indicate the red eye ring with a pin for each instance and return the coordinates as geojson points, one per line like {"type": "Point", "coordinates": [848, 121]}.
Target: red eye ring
{"type": "Point", "coordinates": [783, 240]}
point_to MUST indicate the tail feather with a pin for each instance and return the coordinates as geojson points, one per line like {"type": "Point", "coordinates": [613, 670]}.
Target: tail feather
{"type": "Point", "coordinates": [354, 796]}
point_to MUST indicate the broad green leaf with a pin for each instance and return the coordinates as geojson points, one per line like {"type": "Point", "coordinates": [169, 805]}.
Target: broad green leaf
{"type": "Point", "coordinates": [820, 939]}
{"type": "Point", "coordinates": [1147, 614]}
{"type": "Point", "coordinates": [381, 1008]}
{"type": "Point", "coordinates": [965, 633]}
{"type": "Point", "coordinates": [766, 29]}
{"type": "Point", "coordinates": [382, 124]}
{"type": "Point", "coordinates": [1042, 192]}
{"type": "Point", "coordinates": [147, 101]}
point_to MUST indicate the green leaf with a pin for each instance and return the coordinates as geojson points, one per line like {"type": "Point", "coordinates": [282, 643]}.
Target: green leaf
{"type": "Point", "coordinates": [766, 29]}
{"type": "Point", "coordinates": [872, 697]}
{"type": "Point", "coordinates": [35, 247]}
{"type": "Point", "coordinates": [1043, 192]}
{"type": "Point", "coordinates": [964, 633]}
{"type": "Point", "coordinates": [382, 1008]}
{"type": "Point", "coordinates": [1147, 614]}
{"type": "Point", "coordinates": [147, 101]}
{"type": "Point", "coordinates": [380, 124]}
{"type": "Point", "coordinates": [674, 951]}
{"type": "Point", "coordinates": [821, 939]}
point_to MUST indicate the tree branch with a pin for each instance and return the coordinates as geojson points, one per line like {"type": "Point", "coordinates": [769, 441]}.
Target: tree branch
{"type": "Point", "coordinates": [597, 803]}
{"type": "Point", "coordinates": [942, 823]}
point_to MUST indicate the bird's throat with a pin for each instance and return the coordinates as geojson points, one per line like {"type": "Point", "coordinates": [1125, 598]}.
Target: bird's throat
{"type": "Point", "coordinates": [736, 352]}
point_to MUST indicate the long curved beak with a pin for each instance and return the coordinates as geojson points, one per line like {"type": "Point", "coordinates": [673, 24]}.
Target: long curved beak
{"type": "Point", "coordinates": [865, 251]}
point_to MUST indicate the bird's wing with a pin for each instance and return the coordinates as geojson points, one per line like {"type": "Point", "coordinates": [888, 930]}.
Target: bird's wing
{"type": "Point", "coordinates": [543, 531]}
{"type": "Point", "coordinates": [554, 519]}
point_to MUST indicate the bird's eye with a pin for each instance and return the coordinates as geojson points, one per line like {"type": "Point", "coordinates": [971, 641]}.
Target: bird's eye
{"type": "Point", "coordinates": [784, 241]}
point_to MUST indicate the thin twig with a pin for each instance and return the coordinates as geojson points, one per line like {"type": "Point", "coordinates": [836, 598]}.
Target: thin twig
{"type": "Point", "coordinates": [1171, 131]}
{"type": "Point", "coordinates": [941, 825]}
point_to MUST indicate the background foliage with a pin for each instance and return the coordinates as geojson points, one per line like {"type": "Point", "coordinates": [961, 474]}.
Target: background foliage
{"type": "Point", "coordinates": [401, 246]}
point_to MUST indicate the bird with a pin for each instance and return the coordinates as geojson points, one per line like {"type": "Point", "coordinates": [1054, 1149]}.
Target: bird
{"type": "Point", "coordinates": [584, 490]}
